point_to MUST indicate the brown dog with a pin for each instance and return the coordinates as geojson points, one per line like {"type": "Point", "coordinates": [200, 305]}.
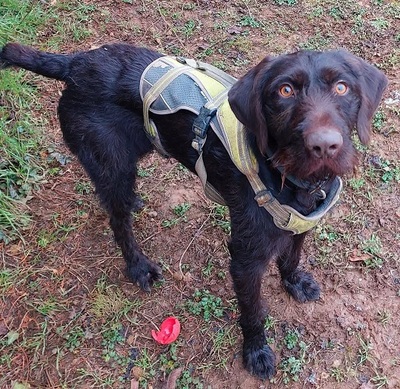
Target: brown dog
{"type": "Point", "coordinates": [298, 110]}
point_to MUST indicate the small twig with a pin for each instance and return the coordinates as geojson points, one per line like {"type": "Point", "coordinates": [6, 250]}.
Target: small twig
{"type": "Point", "coordinates": [148, 238]}
{"type": "Point", "coordinates": [191, 242]}
{"type": "Point", "coordinates": [163, 179]}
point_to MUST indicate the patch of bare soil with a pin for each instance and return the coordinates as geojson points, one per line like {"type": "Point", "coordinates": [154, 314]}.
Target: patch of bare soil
{"type": "Point", "coordinates": [69, 261]}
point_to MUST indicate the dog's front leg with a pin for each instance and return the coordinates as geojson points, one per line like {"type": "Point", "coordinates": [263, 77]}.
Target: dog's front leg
{"type": "Point", "coordinates": [298, 283]}
{"type": "Point", "coordinates": [247, 272]}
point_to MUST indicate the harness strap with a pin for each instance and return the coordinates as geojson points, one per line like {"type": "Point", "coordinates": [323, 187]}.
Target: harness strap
{"type": "Point", "coordinates": [288, 218]}
{"type": "Point", "coordinates": [200, 127]}
{"type": "Point", "coordinates": [210, 69]}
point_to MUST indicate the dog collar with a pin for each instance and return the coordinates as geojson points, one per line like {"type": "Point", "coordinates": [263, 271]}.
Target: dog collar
{"type": "Point", "coordinates": [162, 93]}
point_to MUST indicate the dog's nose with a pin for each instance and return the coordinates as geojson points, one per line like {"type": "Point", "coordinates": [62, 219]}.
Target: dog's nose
{"type": "Point", "coordinates": [324, 143]}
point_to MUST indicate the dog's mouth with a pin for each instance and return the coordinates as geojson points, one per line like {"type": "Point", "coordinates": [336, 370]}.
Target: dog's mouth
{"type": "Point", "coordinates": [311, 168]}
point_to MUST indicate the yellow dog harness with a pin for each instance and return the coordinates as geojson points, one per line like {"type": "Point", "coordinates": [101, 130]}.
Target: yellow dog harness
{"type": "Point", "coordinates": [171, 84]}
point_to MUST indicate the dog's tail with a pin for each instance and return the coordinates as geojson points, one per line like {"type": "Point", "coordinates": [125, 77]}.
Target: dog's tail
{"type": "Point", "coordinates": [47, 64]}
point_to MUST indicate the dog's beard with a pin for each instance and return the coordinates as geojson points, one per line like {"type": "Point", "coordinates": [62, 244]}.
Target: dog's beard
{"type": "Point", "coordinates": [307, 167]}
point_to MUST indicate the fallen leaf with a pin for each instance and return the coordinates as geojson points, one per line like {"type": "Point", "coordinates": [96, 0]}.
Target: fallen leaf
{"type": "Point", "coordinates": [172, 378]}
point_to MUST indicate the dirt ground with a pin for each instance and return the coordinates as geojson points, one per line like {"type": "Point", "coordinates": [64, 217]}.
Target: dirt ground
{"type": "Point", "coordinates": [73, 273]}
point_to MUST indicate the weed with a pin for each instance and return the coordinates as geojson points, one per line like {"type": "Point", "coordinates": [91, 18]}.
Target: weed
{"type": "Point", "coordinates": [45, 238]}
{"type": "Point", "coordinates": [205, 304]}
{"type": "Point", "coordinates": [317, 12]}
{"type": "Point", "coordinates": [391, 171]}
{"type": "Point", "coordinates": [189, 28]}
{"type": "Point", "coordinates": [291, 339]}
{"type": "Point", "coordinates": [220, 65]}
{"type": "Point", "coordinates": [222, 340]}
{"type": "Point", "coordinates": [147, 366]}
{"type": "Point", "coordinates": [358, 24]}
{"type": "Point", "coordinates": [112, 336]}
{"type": "Point", "coordinates": [356, 183]}
{"type": "Point", "coordinates": [83, 187]}
{"type": "Point", "coordinates": [286, 2]}
{"type": "Point", "coordinates": [47, 307]}
{"type": "Point", "coordinates": [337, 13]}
{"type": "Point", "coordinates": [141, 172]}
{"type": "Point", "coordinates": [99, 379]}
{"type": "Point", "coordinates": [249, 21]}
{"type": "Point", "coordinates": [20, 18]}
{"type": "Point", "coordinates": [338, 374]}
{"type": "Point", "coordinates": [219, 215]}
{"type": "Point", "coordinates": [270, 323]}
{"type": "Point", "coordinates": [20, 170]}
{"type": "Point", "coordinates": [169, 359]}
{"type": "Point", "coordinates": [374, 262]}
{"type": "Point", "coordinates": [380, 381]}
{"type": "Point", "coordinates": [170, 223]}
{"type": "Point", "coordinates": [364, 352]}
{"type": "Point", "coordinates": [380, 24]}
{"type": "Point", "coordinates": [378, 120]}
{"type": "Point", "coordinates": [384, 317]}
{"type": "Point", "coordinates": [221, 275]}
{"type": "Point", "coordinates": [291, 367]}
{"type": "Point", "coordinates": [7, 279]}
{"type": "Point", "coordinates": [208, 269]}
{"type": "Point", "coordinates": [77, 29]}
{"type": "Point", "coordinates": [327, 233]}
{"type": "Point", "coordinates": [187, 381]}
{"type": "Point", "coordinates": [316, 42]}
{"type": "Point", "coordinates": [373, 247]}
{"type": "Point", "coordinates": [180, 211]}
{"type": "Point", "coordinates": [74, 337]}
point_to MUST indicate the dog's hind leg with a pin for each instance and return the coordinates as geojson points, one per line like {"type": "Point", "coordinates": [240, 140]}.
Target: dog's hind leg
{"type": "Point", "coordinates": [108, 147]}
{"type": "Point", "coordinates": [298, 283]}
{"type": "Point", "coordinates": [115, 190]}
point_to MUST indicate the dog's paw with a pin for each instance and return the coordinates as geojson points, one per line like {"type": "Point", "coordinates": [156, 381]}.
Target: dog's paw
{"type": "Point", "coordinates": [144, 272]}
{"type": "Point", "coordinates": [259, 361]}
{"type": "Point", "coordinates": [302, 286]}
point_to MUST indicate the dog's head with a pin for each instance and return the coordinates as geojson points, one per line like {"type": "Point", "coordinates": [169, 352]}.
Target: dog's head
{"type": "Point", "coordinates": [302, 108]}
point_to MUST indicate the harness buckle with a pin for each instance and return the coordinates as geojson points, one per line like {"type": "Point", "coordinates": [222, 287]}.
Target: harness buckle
{"type": "Point", "coordinates": [263, 197]}
{"type": "Point", "coordinates": [200, 127]}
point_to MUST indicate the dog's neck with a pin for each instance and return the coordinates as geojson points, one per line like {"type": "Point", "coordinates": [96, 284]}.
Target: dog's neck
{"type": "Point", "coordinates": [316, 189]}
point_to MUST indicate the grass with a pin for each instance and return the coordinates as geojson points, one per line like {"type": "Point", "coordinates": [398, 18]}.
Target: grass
{"type": "Point", "coordinates": [20, 169]}
{"type": "Point", "coordinates": [107, 301]}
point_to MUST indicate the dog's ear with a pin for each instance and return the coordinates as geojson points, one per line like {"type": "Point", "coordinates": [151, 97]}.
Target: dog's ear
{"type": "Point", "coordinates": [372, 85]}
{"type": "Point", "coordinates": [246, 101]}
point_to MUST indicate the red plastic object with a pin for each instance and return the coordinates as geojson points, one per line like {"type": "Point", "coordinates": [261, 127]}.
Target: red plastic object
{"type": "Point", "coordinates": [169, 331]}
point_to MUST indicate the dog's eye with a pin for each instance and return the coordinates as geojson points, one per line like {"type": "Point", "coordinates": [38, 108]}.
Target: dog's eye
{"type": "Point", "coordinates": [341, 88]}
{"type": "Point", "coordinates": [286, 90]}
